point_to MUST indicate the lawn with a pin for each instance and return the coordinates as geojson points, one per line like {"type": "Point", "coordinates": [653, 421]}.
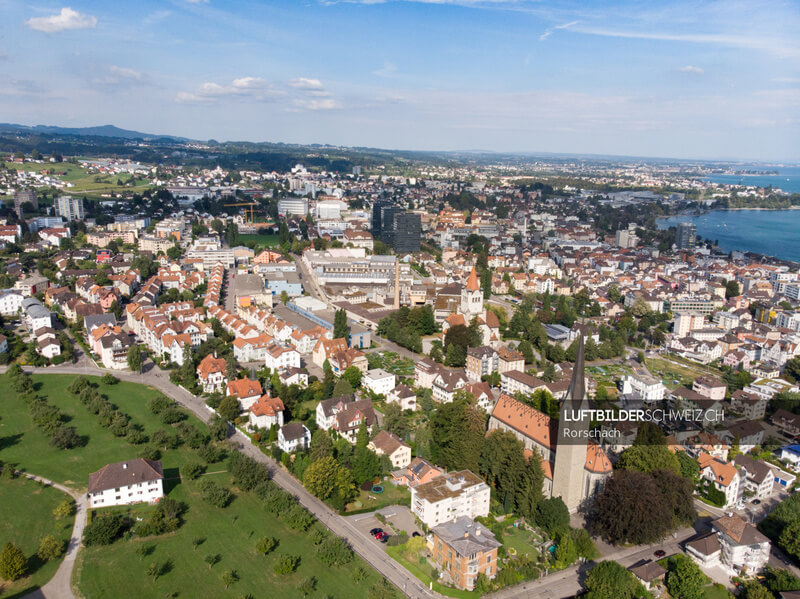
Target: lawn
{"type": "Point", "coordinates": [27, 516]}
{"type": "Point", "coordinates": [669, 372]}
{"type": "Point", "coordinates": [423, 572]}
{"type": "Point", "coordinates": [30, 449]}
{"type": "Point", "coordinates": [261, 239]}
{"type": "Point", "coordinates": [522, 541]}
{"type": "Point", "coordinates": [231, 533]}
{"type": "Point", "coordinates": [113, 571]}
{"type": "Point", "coordinates": [392, 362]}
{"type": "Point", "coordinates": [392, 495]}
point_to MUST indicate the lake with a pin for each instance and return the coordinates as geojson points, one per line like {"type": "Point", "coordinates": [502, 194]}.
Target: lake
{"type": "Point", "coordinates": [770, 232]}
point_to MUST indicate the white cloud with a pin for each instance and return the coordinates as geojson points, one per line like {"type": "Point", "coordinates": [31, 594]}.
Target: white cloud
{"type": "Point", "coordinates": [305, 83]}
{"type": "Point", "coordinates": [254, 88]}
{"type": "Point", "coordinates": [325, 104]}
{"type": "Point", "coordinates": [66, 19]}
{"type": "Point", "coordinates": [197, 1]}
{"type": "Point", "coordinates": [550, 31]}
{"type": "Point", "coordinates": [125, 73]}
{"type": "Point", "coordinates": [387, 70]}
{"type": "Point", "coordinates": [692, 69]}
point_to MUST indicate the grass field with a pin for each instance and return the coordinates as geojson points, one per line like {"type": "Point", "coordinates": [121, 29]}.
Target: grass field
{"type": "Point", "coordinates": [113, 571]}
{"type": "Point", "coordinates": [262, 240]}
{"type": "Point", "coordinates": [83, 182]}
{"type": "Point", "coordinates": [26, 517]}
{"type": "Point", "coordinates": [231, 533]}
{"type": "Point", "coordinates": [30, 449]}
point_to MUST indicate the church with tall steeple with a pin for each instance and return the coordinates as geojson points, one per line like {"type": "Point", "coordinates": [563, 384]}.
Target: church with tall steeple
{"type": "Point", "coordinates": [575, 468]}
{"type": "Point", "coordinates": [471, 306]}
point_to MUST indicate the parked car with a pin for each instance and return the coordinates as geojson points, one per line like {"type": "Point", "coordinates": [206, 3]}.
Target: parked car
{"type": "Point", "coordinates": [375, 531]}
{"type": "Point", "coordinates": [756, 502]}
{"type": "Point", "coordinates": [384, 537]}
{"type": "Point", "coordinates": [660, 553]}
{"type": "Point", "coordinates": [415, 534]}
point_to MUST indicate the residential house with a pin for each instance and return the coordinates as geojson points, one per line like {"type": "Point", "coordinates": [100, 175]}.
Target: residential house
{"type": "Point", "coordinates": [749, 405]}
{"type": "Point", "coordinates": [266, 412]}
{"type": "Point", "coordinates": [247, 391]}
{"type": "Point", "coordinates": [514, 381]}
{"type": "Point", "coordinates": [294, 436]}
{"type": "Point", "coordinates": [651, 574]}
{"type": "Point", "coordinates": [463, 549]}
{"type": "Point", "coordinates": [378, 381]}
{"type": "Point", "coordinates": [723, 476]}
{"type": "Point", "coordinates": [481, 361]}
{"type": "Point", "coordinates": [418, 472]}
{"type": "Point", "coordinates": [744, 550]}
{"type": "Point", "coordinates": [404, 396]}
{"type": "Point", "coordinates": [280, 358]}
{"type": "Point", "coordinates": [710, 387]}
{"type": "Point", "coordinates": [758, 476]}
{"type": "Point", "coordinates": [211, 374]}
{"type": "Point", "coordinates": [124, 483]}
{"type": "Point", "coordinates": [446, 383]}
{"type": "Point", "coordinates": [389, 444]}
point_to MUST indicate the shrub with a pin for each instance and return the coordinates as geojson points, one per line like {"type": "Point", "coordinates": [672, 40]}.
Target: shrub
{"type": "Point", "coordinates": [299, 518]}
{"type": "Point", "coordinates": [214, 494]}
{"type": "Point", "coordinates": [286, 564]}
{"type": "Point", "coordinates": [193, 470]}
{"type": "Point", "coordinates": [266, 544]}
{"type": "Point", "coordinates": [149, 452]}
{"type": "Point", "coordinates": [104, 530]}
{"type": "Point", "coordinates": [50, 548]}
{"type": "Point", "coordinates": [172, 415]}
{"type": "Point", "coordinates": [247, 473]}
{"type": "Point", "coordinates": [109, 379]}
{"type": "Point", "coordinates": [65, 509]}
{"type": "Point", "coordinates": [65, 437]}
{"type": "Point", "coordinates": [158, 404]}
{"type": "Point", "coordinates": [13, 564]}
{"type": "Point", "coordinates": [165, 518]}
{"type": "Point", "coordinates": [334, 551]}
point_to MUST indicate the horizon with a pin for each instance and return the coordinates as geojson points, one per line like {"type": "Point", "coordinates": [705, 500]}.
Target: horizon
{"type": "Point", "coordinates": [718, 82]}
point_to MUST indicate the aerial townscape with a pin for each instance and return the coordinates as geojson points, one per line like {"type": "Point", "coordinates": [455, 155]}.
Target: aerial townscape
{"type": "Point", "coordinates": [256, 369]}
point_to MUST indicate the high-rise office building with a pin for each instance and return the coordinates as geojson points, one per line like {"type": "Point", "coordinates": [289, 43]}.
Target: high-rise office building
{"type": "Point", "coordinates": [686, 235]}
{"type": "Point", "coordinates": [70, 208]}
{"type": "Point", "coordinates": [22, 196]}
{"type": "Point", "coordinates": [377, 222]}
{"type": "Point", "coordinates": [388, 214]}
{"type": "Point", "coordinates": [407, 232]}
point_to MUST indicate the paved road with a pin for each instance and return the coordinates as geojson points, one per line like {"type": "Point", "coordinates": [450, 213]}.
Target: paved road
{"type": "Point", "coordinates": [60, 587]}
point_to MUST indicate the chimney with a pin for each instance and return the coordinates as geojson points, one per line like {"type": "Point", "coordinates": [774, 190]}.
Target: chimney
{"type": "Point", "coordinates": [125, 466]}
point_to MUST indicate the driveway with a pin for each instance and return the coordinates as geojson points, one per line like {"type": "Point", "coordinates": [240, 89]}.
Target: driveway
{"type": "Point", "coordinates": [366, 522]}
{"type": "Point", "coordinates": [401, 518]}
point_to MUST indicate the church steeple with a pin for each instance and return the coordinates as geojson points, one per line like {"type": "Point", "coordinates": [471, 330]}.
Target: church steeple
{"type": "Point", "coordinates": [472, 282]}
{"type": "Point", "coordinates": [472, 297]}
{"type": "Point", "coordinates": [571, 447]}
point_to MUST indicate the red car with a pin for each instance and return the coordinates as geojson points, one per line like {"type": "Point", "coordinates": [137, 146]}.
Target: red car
{"type": "Point", "coordinates": [381, 536]}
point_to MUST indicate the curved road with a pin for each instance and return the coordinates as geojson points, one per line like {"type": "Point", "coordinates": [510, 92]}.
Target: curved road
{"type": "Point", "coordinates": [60, 587]}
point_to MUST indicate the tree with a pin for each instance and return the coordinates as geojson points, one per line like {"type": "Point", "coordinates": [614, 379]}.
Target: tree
{"type": "Point", "coordinates": [321, 445]}
{"type": "Point", "coordinates": [154, 570]}
{"type": "Point", "coordinates": [229, 408]}
{"type": "Point", "coordinates": [792, 369]}
{"type": "Point", "coordinates": [284, 297]}
{"type": "Point", "coordinates": [526, 350]}
{"type": "Point", "coordinates": [334, 551]}
{"type": "Point", "coordinates": [50, 548]}
{"type": "Point", "coordinates": [754, 590]}
{"type": "Point", "coordinates": [553, 516]}
{"type": "Point", "coordinates": [212, 559]}
{"type": "Point", "coordinates": [321, 477]}
{"type": "Point", "coordinates": [502, 464]}
{"type": "Point", "coordinates": [104, 530]}
{"type": "Point", "coordinates": [13, 564]}
{"type": "Point", "coordinates": [457, 435]}
{"type": "Point", "coordinates": [395, 420]}
{"type": "Point", "coordinates": [640, 307]}
{"type": "Point", "coordinates": [229, 577]}
{"type": "Point", "coordinates": [247, 473]}
{"type": "Point", "coordinates": [143, 550]}
{"type": "Point", "coordinates": [732, 289]}
{"type": "Point", "coordinates": [65, 509]}
{"type": "Point", "coordinates": [342, 387]}
{"type": "Point", "coordinates": [684, 578]}
{"type": "Point", "coordinates": [528, 493]}
{"type": "Point", "coordinates": [286, 564]}
{"type": "Point", "coordinates": [609, 580]}
{"type": "Point", "coordinates": [366, 465]}
{"type": "Point", "coordinates": [307, 586]}
{"type": "Point", "coordinates": [647, 458]}
{"type": "Point", "coordinates": [690, 469]}
{"type": "Point", "coordinates": [341, 330]}
{"type": "Point", "coordinates": [65, 437]}
{"type": "Point", "coordinates": [353, 376]}
{"type": "Point", "coordinates": [266, 544]}
{"type": "Point", "coordinates": [790, 538]}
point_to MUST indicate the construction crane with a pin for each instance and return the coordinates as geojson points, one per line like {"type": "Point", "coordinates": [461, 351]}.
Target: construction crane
{"type": "Point", "coordinates": [251, 217]}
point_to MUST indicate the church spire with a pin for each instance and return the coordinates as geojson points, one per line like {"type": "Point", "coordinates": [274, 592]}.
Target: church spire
{"type": "Point", "coordinates": [472, 282]}
{"type": "Point", "coordinates": [577, 386]}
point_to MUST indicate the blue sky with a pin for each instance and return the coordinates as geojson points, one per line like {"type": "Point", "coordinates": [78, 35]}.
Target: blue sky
{"type": "Point", "coordinates": [677, 79]}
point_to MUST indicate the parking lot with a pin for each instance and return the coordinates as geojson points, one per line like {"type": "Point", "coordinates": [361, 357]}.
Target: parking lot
{"type": "Point", "coordinates": [366, 522]}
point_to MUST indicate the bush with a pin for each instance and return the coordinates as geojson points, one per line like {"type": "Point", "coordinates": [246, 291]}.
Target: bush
{"type": "Point", "coordinates": [104, 530]}
{"type": "Point", "coordinates": [50, 548]}
{"type": "Point", "coordinates": [65, 509]}
{"type": "Point", "coordinates": [247, 473]}
{"type": "Point", "coordinates": [159, 404]}
{"type": "Point", "coordinates": [266, 544]}
{"type": "Point", "coordinates": [149, 452]}
{"type": "Point", "coordinates": [335, 551]}
{"type": "Point", "coordinates": [299, 518]}
{"type": "Point", "coordinates": [65, 437]}
{"type": "Point", "coordinates": [286, 564]}
{"type": "Point", "coordinates": [193, 470]}
{"type": "Point", "coordinates": [109, 379]}
{"type": "Point", "coordinates": [211, 454]}
{"type": "Point", "coordinates": [172, 415]}
{"type": "Point", "coordinates": [165, 518]}
{"type": "Point", "coordinates": [135, 436]}
{"type": "Point", "coordinates": [214, 494]}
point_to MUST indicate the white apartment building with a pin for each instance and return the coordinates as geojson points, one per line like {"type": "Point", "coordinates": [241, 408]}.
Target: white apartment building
{"type": "Point", "coordinates": [642, 388]}
{"type": "Point", "coordinates": [10, 302]}
{"type": "Point", "coordinates": [686, 322]}
{"type": "Point", "coordinates": [450, 496]}
{"type": "Point", "coordinates": [378, 381]}
{"type": "Point", "coordinates": [70, 208]}
{"type": "Point", "coordinates": [124, 483]}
